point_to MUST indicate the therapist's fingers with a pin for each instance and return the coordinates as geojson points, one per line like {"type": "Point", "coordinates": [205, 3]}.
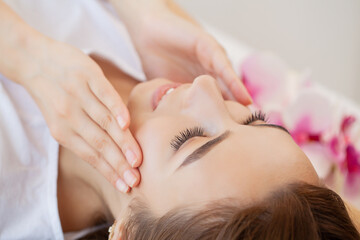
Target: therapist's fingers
{"type": "Point", "coordinates": [108, 96]}
{"type": "Point", "coordinates": [123, 138]}
{"type": "Point", "coordinates": [101, 142]}
{"type": "Point", "coordinates": [224, 89]}
{"type": "Point", "coordinates": [225, 72]}
{"type": "Point", "coordinates": [88, 154]}
{"type": "Point", "coordinates": [213, 58]}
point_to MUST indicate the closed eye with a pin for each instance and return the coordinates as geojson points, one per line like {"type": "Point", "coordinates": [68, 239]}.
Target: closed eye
{"type": "Point", "coordinates": [188, 133]}
{"type": "Point", "coordinates": [208, 146]}
{"type": "Point", "coordinates": [256, 116]}
{"type": "Point", "coordinates": [185, 135]}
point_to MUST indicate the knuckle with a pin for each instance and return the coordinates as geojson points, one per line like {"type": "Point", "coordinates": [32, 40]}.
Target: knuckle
{"type": "Point", "coordinates": [92, 158]}
{"type": "Point", "coordinates": [99, 143]}
{"type": "Point", "coordinates": [63, 107]}
{"type": "Point", "coordinates": [105, 122]}
{"type": "Point", "coordinates": [57, 132]}
{"type": "Point", "coordinates": [80, 76]}
{"type": "Point", "coordinates": [103, 93]}
{"type": "Point", "coordinates": [76, 76]}
{"type": "Point", "coordinates": [71, 86]}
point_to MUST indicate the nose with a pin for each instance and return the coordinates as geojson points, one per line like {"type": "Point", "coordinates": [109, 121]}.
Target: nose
{"type": "Point", "coordinates": [205, 103]}
{"type": "Point", "coordinates": [204, 88]}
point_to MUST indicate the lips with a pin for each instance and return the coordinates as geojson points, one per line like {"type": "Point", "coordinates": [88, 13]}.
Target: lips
{"type": "Point", "coordinates": [160, 92]}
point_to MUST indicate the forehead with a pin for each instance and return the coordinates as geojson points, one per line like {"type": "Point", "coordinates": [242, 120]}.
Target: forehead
{"type": "Point", "coordinates": [247, 165]}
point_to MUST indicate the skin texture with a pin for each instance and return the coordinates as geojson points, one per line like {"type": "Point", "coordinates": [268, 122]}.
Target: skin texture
{"type": "Point", "coordinates": [83, 111]}
{"type": "Point", "coordinates": [172, 45]}
{"type": "Point", "coordinates": [249, 163]}
{"type": "Point", "coordinates": [245, 167]}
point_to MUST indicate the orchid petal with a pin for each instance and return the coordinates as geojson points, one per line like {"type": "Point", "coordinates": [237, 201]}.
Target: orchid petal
{"type": "Point", "coordinates": [310, 112]}
{"type": "Point", "coordinates": [347, 123]}
{"type": "Point", "coordinates": [352, 160]}
{"type": "Point", "coordinates": [352, 186]}
{"type": "Point", "coordinates": [265, 77]}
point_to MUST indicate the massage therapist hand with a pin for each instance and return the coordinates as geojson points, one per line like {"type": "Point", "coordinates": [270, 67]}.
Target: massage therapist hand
{"type": "Point", "coordinates": [82, 109]}
{"type": "Point", "coordinates": [172, 45]}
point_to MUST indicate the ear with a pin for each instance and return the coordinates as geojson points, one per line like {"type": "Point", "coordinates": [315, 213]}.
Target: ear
{"type": "Point", "coordinates": [111, 231]}
{"type": "Point", "coordinates": [116, 230]}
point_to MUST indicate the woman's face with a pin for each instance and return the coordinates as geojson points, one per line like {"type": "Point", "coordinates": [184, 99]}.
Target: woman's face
{"type": "Point", "coordinates": [224, 158]}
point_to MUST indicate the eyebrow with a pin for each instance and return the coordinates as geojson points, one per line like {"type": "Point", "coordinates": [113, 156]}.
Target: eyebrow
{"type": "Point", "coordinates": [208, 146]}
{"type": "Point", "coordinates": [204, 149]}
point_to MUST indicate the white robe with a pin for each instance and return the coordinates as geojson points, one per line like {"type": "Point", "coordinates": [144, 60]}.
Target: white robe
{"type": "Point", "coordinates": [28, 153]}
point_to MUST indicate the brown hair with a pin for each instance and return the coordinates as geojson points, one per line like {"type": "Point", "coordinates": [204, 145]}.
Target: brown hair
{"type": "Point", "coordinates": [298, 211]}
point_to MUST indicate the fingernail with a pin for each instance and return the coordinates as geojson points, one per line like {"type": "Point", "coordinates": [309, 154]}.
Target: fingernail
{"type": "Point", "coordinates": [121, 122]}
{"type": "Point", "coordinates": [130, 178]}
{"type": "Point", "coordinates": [121, 186]}
{"type": "Point", "coordinates": [131, 157]}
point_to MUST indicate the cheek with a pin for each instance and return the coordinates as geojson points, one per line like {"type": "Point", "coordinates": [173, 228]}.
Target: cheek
{"type": "Point", "coordinates": [152, 139]}
{"type": "Point", "coordinates": [152, 169]}
{"type": "Point", "coordinates": [154, 136]}
{"type": "Point", "coordinates": [158, 165]}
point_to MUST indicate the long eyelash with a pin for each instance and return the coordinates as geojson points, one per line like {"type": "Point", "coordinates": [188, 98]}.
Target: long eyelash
{"type": "Point", "coordinates": [188, 133]}
{"type": "Point", "coordinates": [185, 135]}
{"type": "Point", "coordinates": [256, 116]}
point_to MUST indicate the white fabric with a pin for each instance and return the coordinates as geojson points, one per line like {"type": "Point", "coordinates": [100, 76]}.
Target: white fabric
{"type": "Point", "coordinates": [90, 25]}
{"type": "Point", "coordinates": [28, 169]}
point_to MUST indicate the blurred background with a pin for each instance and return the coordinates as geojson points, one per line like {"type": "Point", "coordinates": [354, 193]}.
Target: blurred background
{"type": "Point", "coordinates": [318, 35]}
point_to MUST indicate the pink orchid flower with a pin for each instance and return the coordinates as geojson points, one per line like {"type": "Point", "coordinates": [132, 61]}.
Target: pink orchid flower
{"type": "Point", "coordinates": [308, 114]}
{"type": "Point", "coordinates": [265, 77]}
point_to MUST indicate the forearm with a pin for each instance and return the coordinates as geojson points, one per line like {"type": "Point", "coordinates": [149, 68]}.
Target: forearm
{"type": "Point", "coordinates": [132, 11]}
{"type": "Point", "coordinates": [20, 46]}
{"type": "Point", "coordinates": [138, 15]}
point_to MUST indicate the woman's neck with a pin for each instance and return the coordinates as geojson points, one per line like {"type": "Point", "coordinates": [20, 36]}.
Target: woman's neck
{"type": "Point", "coordinates": [84, 195]}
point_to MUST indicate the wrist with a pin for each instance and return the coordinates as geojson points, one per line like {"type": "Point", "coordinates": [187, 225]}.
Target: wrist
{"type": "Point", "coordinates": [24, 49]}
{"type": "Point", "coordinates": [21, 47]}
{"type": "Point", "coordinates": [32, 49]}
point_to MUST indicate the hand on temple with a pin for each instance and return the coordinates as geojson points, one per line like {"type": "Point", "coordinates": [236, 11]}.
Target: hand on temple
{"type": "Point", "coordinates": [174, 46]}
